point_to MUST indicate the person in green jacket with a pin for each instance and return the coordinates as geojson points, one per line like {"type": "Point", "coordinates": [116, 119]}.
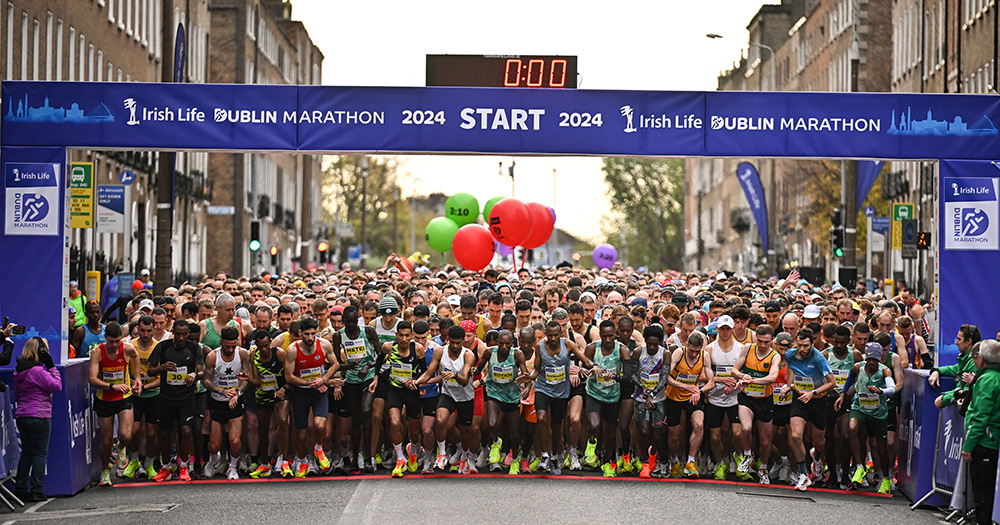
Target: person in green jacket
{"type": "Point", "coordinates": [964, 370]}
{"type": "Point", "coordinates": [77, 300]}
{"type": "Point", "coordinates": [982, 429]}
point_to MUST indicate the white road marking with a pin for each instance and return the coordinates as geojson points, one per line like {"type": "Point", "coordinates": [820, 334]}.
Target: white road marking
{"type": "Point", "coordinates": [87, 513]}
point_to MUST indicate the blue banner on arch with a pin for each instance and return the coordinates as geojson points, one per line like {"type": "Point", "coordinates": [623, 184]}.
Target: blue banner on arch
{"type": "Point", "coordinates": [750, 181]}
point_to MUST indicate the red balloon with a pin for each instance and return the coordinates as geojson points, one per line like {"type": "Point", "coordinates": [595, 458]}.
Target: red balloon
{"type": "Point", "coordinates": [542, 225]}
{"type": "Point", "coordinates": [473, 247]}
{"type": "Point", "coordinates": [510, 222]}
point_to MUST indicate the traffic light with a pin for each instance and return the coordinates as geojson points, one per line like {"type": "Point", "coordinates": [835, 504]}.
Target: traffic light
{"type": "Point", "coordinates": [274, 255]}
{"type": "Point", "coordinates": [323, 247]}
{"type": "Point", "coordinates": [254, 236]}
{"type": "Point", "coordinates": [837, 218]}
{"type": "Point", "coordinates": [924, 240]}
{"type": "Point", "coordinates": [837, 241]}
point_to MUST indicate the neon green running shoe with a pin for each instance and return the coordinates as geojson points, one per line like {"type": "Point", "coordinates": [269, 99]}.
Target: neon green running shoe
{"type": "Point", "coordinates": [721, 470]}
{"type": "Point", "coordinates": [590, 453]}
{"type": "Point", "coordinates": [133, 466]}
{"type": "Point", "coordinates": [636, 464]}
{"type": "Point", "coordinates": [105, 478]}
{"type": "Point", "coordinates": [534, 464]}
{"type": "Point", "coordinates": [886, 486]}
{"type": "Point", "coordinates": [859, 475]}
{"type": "Point", "coordinates": [495, 451]}
{"type": "Point", "coordinates": [608, 469]}
{"type": "Point", "coordinates": [515, 467]}
{"type": "Point", "coordinates": [150, 471]}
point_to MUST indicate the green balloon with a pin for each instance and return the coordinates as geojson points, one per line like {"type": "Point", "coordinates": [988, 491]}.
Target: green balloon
{"type": "Point", "coordinates": [439, 233]}
{"type": "Point", "coordinates": [462, 208]}
{"type": "Point", "coordinates": [489, 207]}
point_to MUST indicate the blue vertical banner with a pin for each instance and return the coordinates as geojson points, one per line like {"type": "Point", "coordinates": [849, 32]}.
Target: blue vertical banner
{"type": "Point", "coordinates": [750, 181]}
{"type": "Point", "coordinates": [969, 243]}
{"type": "Point", "coordinates": [35, 237]}
{"type": "Point", "coordinates": [868, 171]}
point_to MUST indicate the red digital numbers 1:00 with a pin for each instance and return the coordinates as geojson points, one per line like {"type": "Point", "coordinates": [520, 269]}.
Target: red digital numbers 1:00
{"type": "Point", "coordinates": [516, 74]}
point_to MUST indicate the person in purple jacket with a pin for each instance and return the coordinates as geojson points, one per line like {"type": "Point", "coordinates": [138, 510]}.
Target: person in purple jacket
{"type": "Point", "coordinates": [35, 380]}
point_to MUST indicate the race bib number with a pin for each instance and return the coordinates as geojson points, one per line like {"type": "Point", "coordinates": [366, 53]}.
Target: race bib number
{"type": "Point", "coordinates": [176, 377]}
{"type": "Point", "coordinates": [781, 400]}
{"type": "Point", "coordinates": [804, 384]}
{"type": "Point", "coordinates": [602, 381]}
{"type": "Point", "coordinates": [649, 381]}
{"type": "Point", "coordinates": [268, 382]}
{"type": "Point", "coordinates": [724, 371]}
{"type": "Point", "coordinates": [687, 379]}
{"type": "Point", "coordinates": [401, 372]}
{"type": "Point", "coordinates": [228, 383]}
{"type": "Point", "coordinates": [868, 401]}
{"type": "Point", "coordinates": [308, 374]}
{"type": "Point", "coordinates": [114, 378]}
{"type": "Point", "coordinates": [555, 374]}
{"type": "Point", "coordinates": [355, 350]}
{"type": "Point", "coordinates": [839, 379]}
{"type": "Point", "coordinates": [754, 390]}
{"type": "Point", "coordinates": [503, 374]}
{"type": "Point", "coordinates": [145, 378]}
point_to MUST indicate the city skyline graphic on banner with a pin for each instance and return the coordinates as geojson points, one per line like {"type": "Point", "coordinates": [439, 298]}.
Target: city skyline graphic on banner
{"type": "Point", "coordinates": [908, 126]}
{"type": "Point", "coordinates": [46, 113]}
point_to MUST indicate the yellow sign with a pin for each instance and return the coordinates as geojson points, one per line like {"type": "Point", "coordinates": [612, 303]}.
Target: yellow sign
{"type": "Point", "coordinates": [897, 235]}
{"type": "Point", "coordinates": [81, 195]}
{"type": "Point", "coordinates": [900, 211]}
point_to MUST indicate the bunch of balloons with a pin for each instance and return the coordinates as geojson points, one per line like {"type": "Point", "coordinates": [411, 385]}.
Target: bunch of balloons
{"type": "Point", "coordinates": [509, 223]}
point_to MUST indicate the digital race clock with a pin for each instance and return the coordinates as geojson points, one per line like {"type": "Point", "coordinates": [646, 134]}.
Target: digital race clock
{"type": "Point", "coordinates": [535, 71]}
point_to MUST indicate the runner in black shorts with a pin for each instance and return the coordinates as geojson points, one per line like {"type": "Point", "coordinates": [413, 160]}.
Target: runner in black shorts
{"type": "Point", "coordinates": [756, 369]}
{"type": "Point", "coordinates": [809, 377]}
{"type": "Point", "coordinates": [267, 376]}
{"type": "Point", "coordinates": [355, 346]}
{"type": "Point", "coordinates": [114, 371]}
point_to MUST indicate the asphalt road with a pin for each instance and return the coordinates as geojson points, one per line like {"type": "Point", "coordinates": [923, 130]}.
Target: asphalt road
{"type": "Point", "coordinates": [462, 500]}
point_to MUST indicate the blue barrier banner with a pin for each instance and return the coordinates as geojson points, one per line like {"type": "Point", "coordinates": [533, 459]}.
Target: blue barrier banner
{"type": "Point", "coordinates": [969, 242]}
{"type": "Point", "coordinates": [950, 437]}
{"type": "Point", "coordinates": [917, 434]}
{"type": "Point", "coordinates": [499, 120]}
{"type": "Point", "coordinates": [35, 273]}
{"type": "Point", "coordinates": [852, 125]}
{"type": "Point", "coordinates": [750, 181]}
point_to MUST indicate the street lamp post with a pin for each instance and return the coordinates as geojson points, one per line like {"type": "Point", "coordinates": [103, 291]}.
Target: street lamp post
{"type": "Point", "coordinates": [715, 36]}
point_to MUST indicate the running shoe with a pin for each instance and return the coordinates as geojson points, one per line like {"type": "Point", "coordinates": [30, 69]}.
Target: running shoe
{"type": "Point", "coordinates": [509, 458]}
{"type": "Point", "coordinates": [574, 462]}
{"type": "Point", "coordinates": [691, 470]}
{"type": "Point", "coordinates": [608, 469]}
{"type": "Point", "coordinates": [232, 474]}
{"type": "Point", "coordinates": [494, 456]}
{"type": "Point", "coordinates": [150, 472]}
{"type": "Point", "coordinates": [528, 466]}
{"type": "Point", "coordinates": [105, 478]}
{"type": "Point", "coordinates": [556, 468]}
{"type": "Point", "coordinates": [817, 465]}
{"type": "Point", "coordinates": [764, 479]}
{"type": "Point", "coordinates": [428, 466]}
{"type": "Point", "coordinates": [244, 463]}
{"type": "Point", "coordinates": [361, 464]}
{"type": "Point", "coordinates": [163, 475]}
{"type": "Point", "coordinates": [590, 454]}
{"type": "Point", "coordinates": [463, 467]}
{"type": "Point", "coordinates": [324, 463]}
{"type": "Point", "coordinates": [372, 466]}
{"type": "Point", "coordinates": [400, 468]}
{"type": "Point", "coordinates": [122, 460]}
{"type": "Point", "coordinates": [172, 465]}
{"type": "Point", "coordinates": [442, 462]}
{"type": "Point", "coordinates": [542, 465]}
{"type": "Point", "coordinates": [885, 487]}
{"type": "Point", "coordinates": [720, 471]}
{"type": "Point", "coordinates": [802, 482]}
{"type": "Point", "coordinates": [455, 458]}
{"type": "Point", "coordinates": [210, 467]}
{"type": "Point", "coordinates": [264, 471]}
{"type": "Point", "coordinates": [652, 459]}
{"type": "Point", "coordinates": [303, 470]}
{"type": "Point", "coordinates": [636, 464]}
{"type": "Point", "coordinates": [859, 475]}
{"type": "Point", "coordinates": [626, 465]}
{"type": "Point", "coordinates": [411, 458]}
{"type": "Point", "coordinates": [473, 469]}
{"type": "Point", "coordinates": [339, 466]}
{"type": "Point", "coordinates": [675, 469]}
{"type": "Point", "coordinates": [183, 474]}
{"type": "Point", "coordinates": [644, 471]}
{"type": "Point", "coordinates": [743, 470]}
{"type": "Point", "coordinates": [484, 456]}
{"type": "Point", "coordinates": [515, 468]}
{"type": "Point", "coordinates": [389, 461]}
{"type": "Point", "coordinates": [313, 468]}
{"type": "Point", "coordinates": [785, 470]}
{"type": "Point", "coordinates": [286, 470]}
{"type": "Point", "coordinates": [133, 466]}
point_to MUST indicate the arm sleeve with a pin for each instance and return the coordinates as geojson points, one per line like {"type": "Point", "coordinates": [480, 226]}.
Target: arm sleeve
{"type": "Point", "coordinates": [950, 370]}
{"type": "Point", "coordinates": [978, 416]}
{"type": "Point", "coordinates": [50, 381]}
{"type": "Point", "coordinates": [851, 378]}
{"type": "Point", "coordinates": [890, 386]}
{"type": "Point", "coordinates": [8, 351]}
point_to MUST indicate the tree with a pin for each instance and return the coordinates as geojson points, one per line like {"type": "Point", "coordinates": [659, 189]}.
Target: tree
{"type": "Point", "coordinates": [342, 197]}
{"type": "Point", "coordinates": [646, 198]}
{"type": "Point", "coordinates": [822, 188]}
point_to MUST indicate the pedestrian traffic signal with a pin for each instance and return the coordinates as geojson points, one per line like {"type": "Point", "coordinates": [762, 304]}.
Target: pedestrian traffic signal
{"type": "Point", "coordinates": [323, 247]}
{"type": "Point", "coordinates": [254, 236]}
{"type": "Point", "coordinates": [924, 240]}
{"type": "Point", "coordinates": [274, 255]}
{"type": "Point", "coordinates": [837, 241]}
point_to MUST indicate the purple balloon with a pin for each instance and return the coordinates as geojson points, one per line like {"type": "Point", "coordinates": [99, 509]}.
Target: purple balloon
{"type": "Point", "coordinates": [605, 255]}
{"type": "Point", "coordinates": [553, 210]}
{"type": "Point", "coordinates": [503, 250]}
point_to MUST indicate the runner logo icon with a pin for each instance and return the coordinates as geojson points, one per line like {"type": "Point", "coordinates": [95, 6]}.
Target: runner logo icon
{"type": "Point", "coordinates": [30, 207]}
{"type": "Point", "coordinates": [974, 222]}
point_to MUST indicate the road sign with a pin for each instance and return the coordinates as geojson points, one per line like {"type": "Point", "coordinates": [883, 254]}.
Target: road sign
{"type": "Point", "coordinates": [127, 177]}
{"type": "Point", "coordinates": [909, 239]}
{"type": "Point", "coordinates": [881, 224]}
{"type": "Point", "coordinates": [81, 195]}
{"type": "Point", "coordinates": [111, 209]}
{"type": "Point", "coordinates": [221, 210]}
{"type": "Point", "coordinates": [869, 211]}
{"type": "Point", "coordinates": [902, 211]}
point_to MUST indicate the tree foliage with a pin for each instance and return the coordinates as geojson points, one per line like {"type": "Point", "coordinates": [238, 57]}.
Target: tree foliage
{"type": "Point", "coordinates": [342, 201]}
{"type": "Point", "coordinates": [822, 188]}
{"type": "Point", "coordinates": [647, 221]}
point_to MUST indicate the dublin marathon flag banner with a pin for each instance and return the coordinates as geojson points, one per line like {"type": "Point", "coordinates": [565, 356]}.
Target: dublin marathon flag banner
{"type": "Point", "coordinates": [750, 181]}
{"type": "Point", "coordinates": [499, 120]}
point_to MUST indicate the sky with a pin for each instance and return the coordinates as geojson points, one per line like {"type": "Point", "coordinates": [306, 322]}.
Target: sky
{"type": "Point", "coordinates": [625, 45]}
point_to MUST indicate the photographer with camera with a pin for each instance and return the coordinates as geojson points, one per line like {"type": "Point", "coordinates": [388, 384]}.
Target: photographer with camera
{"type": "Point", "coordinates": [35, 380]}
{"type": "Point", "coordinates": [982, 429]}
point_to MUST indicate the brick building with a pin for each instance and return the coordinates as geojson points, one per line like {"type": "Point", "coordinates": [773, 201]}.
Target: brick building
{"type": "Point", "coordinates": [116, 41]}
{"type": "Point", "coordinates": [257, 42]}
{"type": "Point", "coordinates": [814, 45]}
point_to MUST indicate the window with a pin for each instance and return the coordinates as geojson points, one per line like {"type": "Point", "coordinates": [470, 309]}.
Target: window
{"type": "Point", "coordinates": [10, 41]}
{"type": "Point", "coordinates": [111, 11]}
{"type": "Point", "coordinates": [34, 50]}
{"type": "Point", "coordinates": [119, 75]}
{"type": "Point", "coordinates": [48, 46]}
{"type": "Point", "coordinates": [158, 31]}
{"type": "Point", "coordinates": [137, 34]}
{"type": "Point", "coordinates": [24, 46]}
{"type": "Point", "coordinates": [59, 48]}
{"type": "Point", "coordinates": [100, 65]}
{"type": "Point", "coordinates": [83, 58]}
{"type": "Point", "coordinates": [128, 17]}
{"type": "Point", "coordinates": [72, 54]}
{"type": "Point", "coordinates": [121, 11]}
{"type": "Point", "coordinates": [111, 72]}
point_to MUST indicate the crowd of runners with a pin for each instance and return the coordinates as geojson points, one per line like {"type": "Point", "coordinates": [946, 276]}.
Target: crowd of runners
{"type": "Point", "coordinates": [652, 375]}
